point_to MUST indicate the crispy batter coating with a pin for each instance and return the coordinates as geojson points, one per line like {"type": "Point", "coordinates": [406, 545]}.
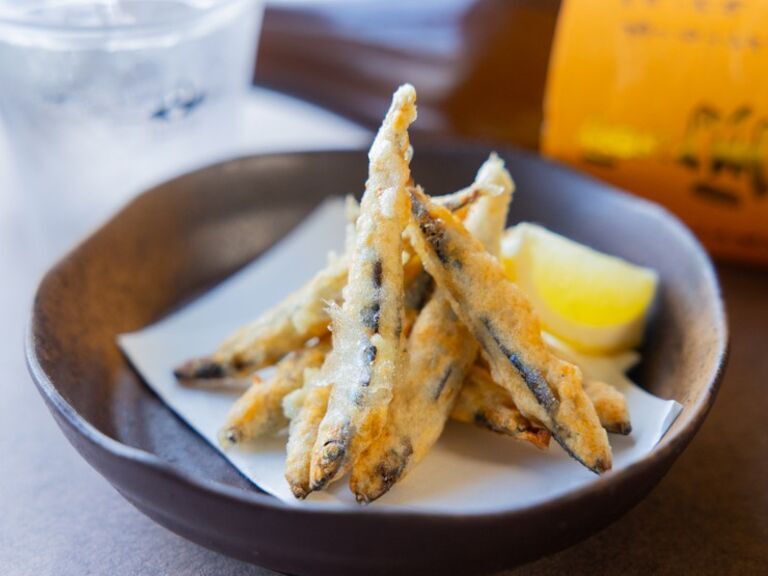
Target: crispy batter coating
{"type": "Point", "coordinates": [486, 404]}
{"type": "Point", "coordinates": [301, 316]}
{"type": "Point", "coordinates": [367, 330]}
{"type": "Point", "coordinates": [439, 358]}
{"type": "Point", "coordinates": [487, 218]}
{"type": "Point", "coordinates": [306, 407]}
{"type": "Point", "coordinates": [418, 289]}
{"type": "Point", "coordinates": [503, 321]}
{"type": "Point", "coordinates": [610, 405]}
{"type": "Point", "coordinates": [441, 352]}
{"type": "Point", "coordinates": [418, 285]}
{"type": "Point", "coordinates": [259, 411]}
{"type": "Point", "coordinates": [237, 383]}
{"type": "Point", "coordinates": [458, 202]}
{"type": "Point", "coordinates": [282, 329]}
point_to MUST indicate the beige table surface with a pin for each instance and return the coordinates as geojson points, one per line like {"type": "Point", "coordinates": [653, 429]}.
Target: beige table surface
{"type": "Point", "coordinates": [59, 517]}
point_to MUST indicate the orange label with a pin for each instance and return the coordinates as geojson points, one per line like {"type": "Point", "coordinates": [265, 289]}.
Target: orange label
{"type": "Point", "coordinates": [669, 99]}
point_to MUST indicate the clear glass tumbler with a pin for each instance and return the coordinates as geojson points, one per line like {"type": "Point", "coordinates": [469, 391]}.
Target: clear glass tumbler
{"type": "Point", "coordinates": [100, 98]}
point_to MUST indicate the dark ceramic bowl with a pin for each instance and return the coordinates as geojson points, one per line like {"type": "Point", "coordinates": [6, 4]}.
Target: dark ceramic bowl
{"type": "Point", "coordinates": [182, 237]}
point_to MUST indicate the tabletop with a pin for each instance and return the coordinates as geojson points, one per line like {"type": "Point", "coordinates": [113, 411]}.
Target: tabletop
{"type": "Point", "coordinates": [709, 515]}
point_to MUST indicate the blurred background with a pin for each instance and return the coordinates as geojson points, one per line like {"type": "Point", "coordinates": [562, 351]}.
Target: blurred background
{"type": "Point", "coordinates": [665, 99]}
{"type": "Point", "coordinates": [100, 99]}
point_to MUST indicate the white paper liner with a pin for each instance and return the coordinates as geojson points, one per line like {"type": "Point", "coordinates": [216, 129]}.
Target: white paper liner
{"type": "Point", "coordinates": [469, 469]}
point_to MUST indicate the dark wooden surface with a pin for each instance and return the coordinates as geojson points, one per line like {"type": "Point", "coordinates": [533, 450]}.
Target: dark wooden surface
{"type": "Point", "coordinates": [57, 516]}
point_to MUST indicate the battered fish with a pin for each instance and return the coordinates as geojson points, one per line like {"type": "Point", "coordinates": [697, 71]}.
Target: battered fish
{"type": "Point", "coordinates": [300, 317]}
{"type": "Point", "coordinates": [368, 328]}
{"type": "Point", "coordinates": [441, 352]}
{"type": "Point", "coordinates": [259, 412]}
{"type": "Point", "coordinates": [486, 404]}
{"type": "Point", "coordinates": [543, 387]}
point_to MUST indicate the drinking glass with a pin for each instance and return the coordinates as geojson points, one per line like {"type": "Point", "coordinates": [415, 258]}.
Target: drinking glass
{"type": "Point", "coordinates": [102, 98]}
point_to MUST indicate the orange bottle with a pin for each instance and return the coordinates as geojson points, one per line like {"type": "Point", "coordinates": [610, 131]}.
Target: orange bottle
{"type": "Point", "coordinates": [665, 98]}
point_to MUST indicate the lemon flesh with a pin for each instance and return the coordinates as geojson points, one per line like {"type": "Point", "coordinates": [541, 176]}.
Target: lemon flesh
{"type": "Point", "coordinates": [595, 302]}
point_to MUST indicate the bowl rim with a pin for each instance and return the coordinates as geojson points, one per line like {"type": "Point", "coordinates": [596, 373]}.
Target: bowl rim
{"type": "Point", "coordinates": [669, 447]}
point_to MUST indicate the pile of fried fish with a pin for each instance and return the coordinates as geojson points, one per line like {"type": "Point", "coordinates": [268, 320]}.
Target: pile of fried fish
{"type": "Point", "coordinates": [413, 324]}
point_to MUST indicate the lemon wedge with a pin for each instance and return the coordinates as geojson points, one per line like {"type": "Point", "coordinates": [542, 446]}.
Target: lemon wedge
{"type": "Point", "coordinates": [595, 302]}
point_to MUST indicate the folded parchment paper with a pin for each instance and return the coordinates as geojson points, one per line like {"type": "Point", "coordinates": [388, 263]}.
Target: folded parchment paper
{"type": "Point", "coordinates": [468, 470]}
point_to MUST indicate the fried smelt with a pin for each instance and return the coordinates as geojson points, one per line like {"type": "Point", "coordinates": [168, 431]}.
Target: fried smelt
{"type": "Point", "coordinates": [599, 374]}
{"type": "Point", "coordinates": [238, 383]}
{"type": "Point", "coordinates": [441, 352]}
{"type": "Point", "coordinates": [486, 404]}
{"type": "Point", "coordinates": [367, 330]}
{"type": "Point", "coordinates": [418, 283]}
{"type": "Point", "coordinates": [487, 218]}
{"type": "Point", "coordinates": [439, 358]}
{"type": "Point", "coordinates": [503, 321]}
{"type": "Point", "coordinates": [462, 199]}
{"type": "Point", "coordinates": [610, 405]}
{"type": "Point", "coordinates": [299, 318]}
{"type": "Point", "coordinates": [282, 329]}
{"type": "Point", "coordinates": [418, 288]}
{"type": "Point", "coordinates": [259, 411]}
{"type": "Point", "coordinates": [306, 408]}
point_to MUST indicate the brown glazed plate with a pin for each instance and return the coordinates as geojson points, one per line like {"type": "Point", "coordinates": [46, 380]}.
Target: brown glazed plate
{"type": "Point", "coordinates": [180, 238]}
